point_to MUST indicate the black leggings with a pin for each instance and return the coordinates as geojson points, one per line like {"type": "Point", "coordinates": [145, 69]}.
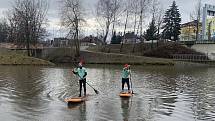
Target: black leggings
{"type": "Point", "coordinates": [82, 82]}
{"type": "Point", "coordinates": [125, 80]}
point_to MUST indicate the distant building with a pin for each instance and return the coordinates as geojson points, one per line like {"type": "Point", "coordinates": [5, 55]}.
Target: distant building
{"type": "Point", "coordinates": [206, 27]}
{"type": "Point", "coordinates": [90, 40]}
{"type": "Point", "coordinates": [130, 38]}
{"type": "Point", "coordinates": [207, 21]}
{"type": "Point", "coordinates": [46, 43]}
{"type": "Point", "coordinates": [210, 28]}
{"type": "Point", "coordinates": [188, 30]}
{"type": "Point", "coordinates": [60, 42]}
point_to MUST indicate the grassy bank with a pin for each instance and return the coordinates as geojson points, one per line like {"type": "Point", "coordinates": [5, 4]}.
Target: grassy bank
{"type": "Point", "coordinates": [92, 57]}
{"type": "Point", "coordinates": [11, 58]}
{"type": "Point", "coordinates": [113, 58]}
{"type": "Point", "coordinates": [166, 51]}
{"type": "Point", "coordinates": [134, 49]}
{"type": "Point", "coordinates": [159, 50]}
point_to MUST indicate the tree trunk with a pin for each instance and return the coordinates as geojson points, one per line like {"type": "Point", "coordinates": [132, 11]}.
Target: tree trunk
{"type": "Point", "coordinates": [198, 19]}
{"type": "Point", "coordinates": [135, 21]}
{"type": "Point", "coordinates": [141, 22]}
{"type": "Point", "coordinates": [77, 37]}
{"type": "Point", "coordinates": [28, 38]}
{"type": "Point", "coordinates": [126, 22]}
{"type": "Point", "coordinates": [106, 32]}
{"type": "Point", "coordinates": [114, 19]}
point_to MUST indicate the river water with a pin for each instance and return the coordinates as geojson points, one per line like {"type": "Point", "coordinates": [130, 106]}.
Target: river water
{"type": "Point", "coordinates": [162, 93]}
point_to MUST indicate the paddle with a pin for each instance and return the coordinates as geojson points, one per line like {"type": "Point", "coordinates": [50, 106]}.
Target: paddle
{"type": "Point", "coordinates": [96, 91]}
{"type": "Point", "coordinates": [131, 83]}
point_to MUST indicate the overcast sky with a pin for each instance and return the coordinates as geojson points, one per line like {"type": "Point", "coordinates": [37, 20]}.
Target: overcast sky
{"type": "Point", "coordinates": [185, 7]}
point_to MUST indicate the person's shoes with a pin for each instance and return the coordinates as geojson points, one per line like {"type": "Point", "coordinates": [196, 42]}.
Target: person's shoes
{"type": "Point", "coordinates": [130, 91]}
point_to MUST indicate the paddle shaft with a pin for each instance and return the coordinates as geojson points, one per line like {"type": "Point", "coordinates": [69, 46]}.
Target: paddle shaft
{"type": "Point", "coordinates": [90, 85]}
{"type": "Point", "coordinates": [131, 82]}
{"type": "Point", "coordinates": [96, 91]}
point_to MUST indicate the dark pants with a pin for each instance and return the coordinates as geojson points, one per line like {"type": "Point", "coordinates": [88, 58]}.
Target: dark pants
{"type": "Point", "coordinates": [82, 82]}
{"type": "Point", "coordinates": [125, 80]}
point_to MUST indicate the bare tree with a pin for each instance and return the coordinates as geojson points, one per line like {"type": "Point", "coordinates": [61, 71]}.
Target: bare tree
{"type": "Point", "coordinates": [72, 18]}
{"type": "Point", "coordinates": [106, 11]}
{"type": "Point", "coordinates": [157, 14]}
{"type": "Point", "coordinates": [135, 12]}
{"type": "Point", "coordinates": [143, 6]}
{"type": "Point", "coordinates": [196, 17]}
{"type": "Point", "coordinates": [140, 9]}
{"type": "Point", "coordinates": [4, 29]}
{"type": "Point", "coordinates": [116, 6]}
{"type": "Point", "coordinates": [130, 6]}
{"type": "Point", "coordinates": [26, 20]}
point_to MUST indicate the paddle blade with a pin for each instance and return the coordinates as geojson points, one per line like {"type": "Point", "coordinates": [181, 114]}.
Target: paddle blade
{"type": "Point", "coordinates": [96, 91]}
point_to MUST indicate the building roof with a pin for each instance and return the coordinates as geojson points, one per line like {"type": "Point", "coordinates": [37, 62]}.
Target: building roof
{"type": "Point", "coordinates": [61, 39]}
{"type": "Point", "coordinates": [130, 35]}
{"type": "Point", "coordinates": [191, 23]}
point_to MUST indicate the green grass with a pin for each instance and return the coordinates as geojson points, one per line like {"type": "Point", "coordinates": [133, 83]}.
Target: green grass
{"type": "Point", "coordinates": [113, 58]}
{"type": "Point", "coordinates": [10, 58]}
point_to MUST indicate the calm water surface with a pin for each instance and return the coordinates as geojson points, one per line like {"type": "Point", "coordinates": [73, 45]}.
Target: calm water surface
{"type": "Point", "coordinates": [161, 94]}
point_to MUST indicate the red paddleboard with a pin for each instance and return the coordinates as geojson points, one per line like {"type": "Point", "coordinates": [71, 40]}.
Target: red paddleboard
{"type": "Point", "coordinates": [76, 99]}
{"type": "Point", "coordinates": [125, 94]}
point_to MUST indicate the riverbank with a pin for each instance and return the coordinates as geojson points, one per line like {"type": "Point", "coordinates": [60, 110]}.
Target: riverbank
{"type": "Point", "coordinates": [61, 56]}
{"type": "Point", "coordinates": [91, 57]}
{"type": "Point", "coordinates": [11, 58]}
{"type": "Point", "coordinates": [168, 50]}
{"type": "Point", "coordinates": [8, 57]}
{"type": "Point", "coordinates": [159, 50]}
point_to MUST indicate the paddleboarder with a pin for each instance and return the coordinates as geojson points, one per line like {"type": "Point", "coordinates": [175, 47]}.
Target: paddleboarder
{"type": "Point", "coordinates": [82, 73]}
{"type": "Point", "coordinates": [126, 72]}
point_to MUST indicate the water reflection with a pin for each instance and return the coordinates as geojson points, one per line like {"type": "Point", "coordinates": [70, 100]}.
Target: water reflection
{"type": "Point", "coordinates": [81, 107]}
{"type": "Point", "coordinates": [126, 107]}
{"type": "Point", "coordinates": [24, 90]}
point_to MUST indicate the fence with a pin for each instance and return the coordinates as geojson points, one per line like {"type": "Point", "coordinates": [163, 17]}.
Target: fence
{"type": "Point", "coordinates": [190, 57]}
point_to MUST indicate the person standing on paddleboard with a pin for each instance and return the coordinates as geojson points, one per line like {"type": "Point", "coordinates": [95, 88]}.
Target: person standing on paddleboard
{"type": "Point", "coordinates": [126, 72]}
{"type": "Point", "coordinates": [82, 73]}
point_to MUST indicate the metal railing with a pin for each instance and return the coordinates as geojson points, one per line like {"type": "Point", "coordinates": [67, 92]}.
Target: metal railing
{"type": "Point", "coordinates": [190, 57]}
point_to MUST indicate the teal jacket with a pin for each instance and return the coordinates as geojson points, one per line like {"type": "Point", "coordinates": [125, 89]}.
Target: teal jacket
{"type": "Point", "coordinates": [82, 73]}
{"type": "Point", "coordinates": [126, 73]}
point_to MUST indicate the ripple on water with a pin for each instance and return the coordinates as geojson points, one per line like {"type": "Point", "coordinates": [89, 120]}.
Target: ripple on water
{"type": "Point", "coordinates": [161, 93]}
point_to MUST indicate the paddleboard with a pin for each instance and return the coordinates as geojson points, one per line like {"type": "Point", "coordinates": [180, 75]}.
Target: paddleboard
{"type": "Point", "coordinates": [76, 99]}
{"type": "Point", "coordinates": [125, 94]}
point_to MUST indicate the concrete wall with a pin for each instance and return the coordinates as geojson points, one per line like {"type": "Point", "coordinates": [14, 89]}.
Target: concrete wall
{"type": "Point", "coordinates": [208, 49]}
{"type": "Point", "coordinates": [54, 54]}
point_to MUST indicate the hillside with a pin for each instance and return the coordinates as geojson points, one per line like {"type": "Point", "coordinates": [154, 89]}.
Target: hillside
{"type": "Point", "coordinates": [12, 58]}
{"type": "Point", "coordinates": [166, 51]}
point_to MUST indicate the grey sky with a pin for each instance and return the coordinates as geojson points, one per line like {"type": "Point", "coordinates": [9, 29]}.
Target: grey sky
{"type": "Point", "coordinates": [185, 7]}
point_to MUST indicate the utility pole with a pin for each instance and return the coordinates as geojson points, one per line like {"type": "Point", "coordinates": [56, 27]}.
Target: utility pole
{"type": "Point", "coordinates": [209, 31]}
{"type": "Point", "coordinates": [197, 21]}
